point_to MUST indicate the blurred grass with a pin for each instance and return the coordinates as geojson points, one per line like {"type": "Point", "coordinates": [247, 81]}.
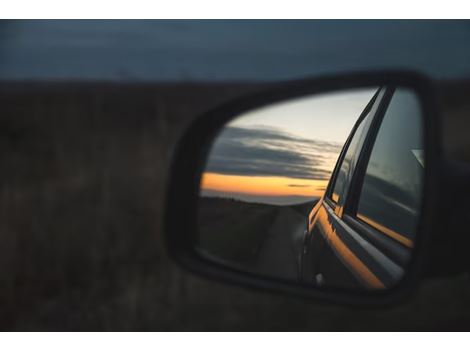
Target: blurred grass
{"type": "Point", "coordinates": [84, 174]}
{"type": "Point", "coordinates": [234, 230]}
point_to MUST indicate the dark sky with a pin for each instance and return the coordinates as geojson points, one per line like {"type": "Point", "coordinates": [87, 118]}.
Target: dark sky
{"type": "Point", "coordinates": [228, 50]}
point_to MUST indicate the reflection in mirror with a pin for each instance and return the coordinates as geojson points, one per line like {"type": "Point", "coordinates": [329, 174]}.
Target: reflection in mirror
{"type": "Point", "coordinates": [271, 203]}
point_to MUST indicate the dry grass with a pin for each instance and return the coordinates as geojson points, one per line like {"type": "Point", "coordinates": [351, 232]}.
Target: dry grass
{"type": "Point", "coordinates": [83, 177]}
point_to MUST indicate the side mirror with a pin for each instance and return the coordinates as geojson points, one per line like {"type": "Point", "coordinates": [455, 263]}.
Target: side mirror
{"type": "Point", "coordinates": [323, 188]}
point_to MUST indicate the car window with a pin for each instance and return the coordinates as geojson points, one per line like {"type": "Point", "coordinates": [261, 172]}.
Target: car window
{"type": "Point", "coordinates": [391, 191]}
{"type": "Point", "coordinates": [346, 168]}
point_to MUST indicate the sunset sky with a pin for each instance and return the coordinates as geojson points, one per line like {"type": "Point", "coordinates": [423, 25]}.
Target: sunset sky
{"type": "Point", "coordinates": [283, 153]}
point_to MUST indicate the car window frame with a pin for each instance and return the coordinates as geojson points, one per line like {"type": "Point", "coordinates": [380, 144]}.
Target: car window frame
{"type": "Point", "coordinates": [332, 182]}
{"type": "Point", "coordinates": [355, 185]}
{"type": "Point", "coordinates": [393, 248]}
{"type": "Point", "coordinates": [347, 212]}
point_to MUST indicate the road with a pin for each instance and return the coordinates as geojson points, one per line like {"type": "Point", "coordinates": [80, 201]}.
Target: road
{"type": "Point", "coordinates": [279, 253]}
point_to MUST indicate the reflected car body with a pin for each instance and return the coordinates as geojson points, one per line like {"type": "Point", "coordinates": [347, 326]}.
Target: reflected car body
{"type": "Point", "coordinates": [361, 232]}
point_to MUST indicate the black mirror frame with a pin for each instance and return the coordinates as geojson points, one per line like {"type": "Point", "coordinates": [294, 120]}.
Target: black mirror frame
{"type": "Point", "coordinates": [189, 161]}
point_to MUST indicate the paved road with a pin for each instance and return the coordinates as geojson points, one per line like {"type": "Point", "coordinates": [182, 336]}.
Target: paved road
{"type": "Point", "coordinates": [279, 254]}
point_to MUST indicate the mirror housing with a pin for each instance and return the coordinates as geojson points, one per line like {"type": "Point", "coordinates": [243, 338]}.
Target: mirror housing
{"type": "Point", "coordinates": [194, 146]}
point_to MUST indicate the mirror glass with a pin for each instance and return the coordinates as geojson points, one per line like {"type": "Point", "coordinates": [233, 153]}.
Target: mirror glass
{"type": "Point", "coordinates": [322, 190]}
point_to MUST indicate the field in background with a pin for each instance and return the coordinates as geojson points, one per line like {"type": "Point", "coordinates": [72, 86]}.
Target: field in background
{"type": "Point", "coordinates": [239, 232]}
{"type": "Point", "coordinates": [82, 241]}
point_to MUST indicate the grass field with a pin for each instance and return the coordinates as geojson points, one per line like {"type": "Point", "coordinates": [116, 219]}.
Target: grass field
{"type": "Point", "coordinates": [236, 231]}
{"type": "Point", "coordinates": [82, 241]}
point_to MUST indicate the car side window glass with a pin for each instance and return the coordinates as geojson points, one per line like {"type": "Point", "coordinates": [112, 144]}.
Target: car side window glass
{"type": "Point", "coordinates": [347, 165]}
{"type": "Point", "coordinates": [390, 197]}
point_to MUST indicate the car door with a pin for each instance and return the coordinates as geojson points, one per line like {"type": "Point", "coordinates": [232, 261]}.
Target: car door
{"type": "Point", "coordinates": [384, 202]}
{"type": "Point", "coordinates": [319, 259]}
{"type": "Point", "coordinates": [362, 232]}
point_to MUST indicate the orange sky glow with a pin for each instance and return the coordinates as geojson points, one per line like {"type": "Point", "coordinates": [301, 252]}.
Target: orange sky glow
{"type": "Point", "coordinates": [262, 186]}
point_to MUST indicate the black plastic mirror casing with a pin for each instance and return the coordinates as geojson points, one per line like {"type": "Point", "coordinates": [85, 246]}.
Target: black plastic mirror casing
{"type": "Point", "coordinates": [190, 156]}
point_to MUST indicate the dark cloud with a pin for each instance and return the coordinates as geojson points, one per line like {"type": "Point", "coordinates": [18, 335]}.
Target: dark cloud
{"type": "Point", "coordinates": [293, 185]}
{"type": "Point", "coordinates": [263, 151]}
{"type": "Point", "coordinates": [273, 136]}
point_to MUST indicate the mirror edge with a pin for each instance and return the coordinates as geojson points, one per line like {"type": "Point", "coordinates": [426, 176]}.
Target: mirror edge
{"type": "Point", "coordinates": [192, 149]}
